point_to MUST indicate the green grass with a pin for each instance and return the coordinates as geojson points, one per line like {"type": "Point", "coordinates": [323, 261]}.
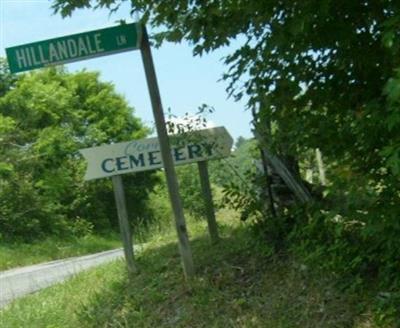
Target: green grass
{"type": "Point", "coordinates": [237, 284]}
{"type": "Point", "coordinates": [20, 254]}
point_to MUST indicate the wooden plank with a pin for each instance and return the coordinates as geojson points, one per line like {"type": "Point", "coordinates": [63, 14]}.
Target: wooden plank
{"type": "Point", "coordinates": [298, 189]}
{"type": "Point", "coordinates": [208, 201]}
{"type": "Point", "coordinates": [124, 223]}
{"type": "Point", "coordinates": [165, 148]}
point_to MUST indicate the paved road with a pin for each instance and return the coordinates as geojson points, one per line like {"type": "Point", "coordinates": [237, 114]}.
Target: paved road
{"type": "Point", "coordinates": [18, 282]}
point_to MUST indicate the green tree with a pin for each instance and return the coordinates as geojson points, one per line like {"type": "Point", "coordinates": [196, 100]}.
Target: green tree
{"type": "Point", "coordinates": [44, 120]}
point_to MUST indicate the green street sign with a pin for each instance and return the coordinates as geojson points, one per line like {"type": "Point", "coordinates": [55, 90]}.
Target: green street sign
{"type": "Point", "coordinates": [74, 47]}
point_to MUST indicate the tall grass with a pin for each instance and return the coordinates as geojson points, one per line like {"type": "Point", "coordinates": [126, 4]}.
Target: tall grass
{"type": "Point", "coordinates": [237, 284]}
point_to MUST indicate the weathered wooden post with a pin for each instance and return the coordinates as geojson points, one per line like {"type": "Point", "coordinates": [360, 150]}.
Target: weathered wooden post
{"type": "Point", "coordinates": [126, 235]}
{"type": "Point", "coordinates": [165, 148]}
{"type": "Point", "coordinates": [208, 201]}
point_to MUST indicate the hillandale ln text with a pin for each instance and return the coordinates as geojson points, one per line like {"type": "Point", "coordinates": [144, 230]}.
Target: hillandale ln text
{"type": "Point", "coordinates": [59, 51]}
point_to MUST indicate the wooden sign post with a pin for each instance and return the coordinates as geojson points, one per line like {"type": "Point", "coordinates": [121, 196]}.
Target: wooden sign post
{"type": "Point", "coordinates": [165, 147]}
{"type": "Point", "coordinates": [208, 201]}
{"type": "Point", "coordinates": [126, 235]}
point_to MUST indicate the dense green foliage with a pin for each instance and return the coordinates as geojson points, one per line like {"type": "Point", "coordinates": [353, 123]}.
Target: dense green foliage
{"type": "Point", "coordinates": [45, 118]}
{"type": "Point", "coordinates": [240, 179]}
{"type": "Point", "coordinates": [190, 190]}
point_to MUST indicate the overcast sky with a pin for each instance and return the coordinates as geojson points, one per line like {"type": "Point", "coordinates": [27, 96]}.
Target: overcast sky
{"type": "Point", "coordinates": [185, 82]}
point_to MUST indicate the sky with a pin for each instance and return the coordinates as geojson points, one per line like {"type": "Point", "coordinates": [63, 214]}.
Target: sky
{"type": "Point", "coordinates": [185, 82]}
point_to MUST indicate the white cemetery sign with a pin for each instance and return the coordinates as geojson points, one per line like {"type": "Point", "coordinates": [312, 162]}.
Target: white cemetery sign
{"type": "Point", "coordinates": [142, 155]}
